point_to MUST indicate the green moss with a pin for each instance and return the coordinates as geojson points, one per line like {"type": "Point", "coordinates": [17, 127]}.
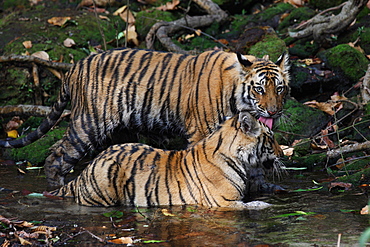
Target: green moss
{"type": "Point", "coordinates": [37, 152]}
{"type": "Point", "coordinates": [278, 9]}
{"type": "Point", "coordinates": [296, 16]}
{"type": "Point", "coordinates": [271, 45]}
{"type": "Point", "coordinates": [15, 4]}
{"type": "Point", "coordinates": [240, 21]}
{"type": "Point", "coordinates": [145, 20]}
{"type": "Point", "coordinates": [347, 59]}
{"type": "Point", "coordinates": [362, 176]}
{"type": "Point", "coordinates": [325, 4]}
{"type": "Point", "coordinates": [299, 121]}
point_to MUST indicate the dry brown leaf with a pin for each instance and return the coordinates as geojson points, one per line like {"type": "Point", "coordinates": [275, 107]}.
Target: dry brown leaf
{"type": "Point", "coordinates": [169, 5]}
{"type": "Point", "coordinates": [23, 241]}
{"type": "Point", "coordinates": [125, 14]}
{"type": "Point", "coordinates": [59, 21]}
{"type": "Point", "coordinates": [365, 210]}
{"type": "Point", "coordinates": [122, 240]}
{"type": "Point", "coordinates": [103, 17]}
{"type": "Point", "coordinates": [131, 35]}
{"type": "Point", "coordinates": [27, 44]}
{"type": "Point", "coordinates": [288, 151]}
{"type": "Point", "coordinates": [167, 212]}
{"type": "Point", "coordinates": [325, 139]}
{"type": "Point", "coordinates": [346, 186]}
{"type": "Point", "coordinates": [41, 54]}
{"type": "Point", "coordinates": [323, 106]}
{"type": "Point", "coordinates": [68, 42]}
{"type": "Point", "coordinates": [296, 3]}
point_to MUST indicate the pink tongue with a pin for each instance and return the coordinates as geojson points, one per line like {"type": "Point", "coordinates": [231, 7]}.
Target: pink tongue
{"type": "Point", "coordinates": [268, 121]}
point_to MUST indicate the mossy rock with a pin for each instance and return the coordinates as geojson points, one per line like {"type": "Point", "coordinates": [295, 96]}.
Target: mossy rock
{"type": "Point", "coordinates": [37, 152]}
{"type": "Point", "coordinates": [270, 45]}
{"type": "Point", "coordinates": [299, 121]}
{"type": "Point", "coordinates": [266, 17]}
{"type": "Point", "coordinates": [347, 61]}
{"type": "Point", "coordinates": [304, 48]}
{"type": "Point", "coordinates": [361, 176]}
{"type": "Point", "coordinates": [295, 17]}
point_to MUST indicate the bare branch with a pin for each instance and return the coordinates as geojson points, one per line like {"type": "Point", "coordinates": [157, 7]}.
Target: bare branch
{"type": "Point", "coordinates": [36, 60]}
{"type": "Point", "coordinates": [348, 149]}
{"type": "Point", "coordinates": [163, 30]}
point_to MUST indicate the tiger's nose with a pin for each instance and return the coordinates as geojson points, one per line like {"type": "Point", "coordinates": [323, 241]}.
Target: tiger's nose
{"type": "Point", "coordinates": [272, 113]}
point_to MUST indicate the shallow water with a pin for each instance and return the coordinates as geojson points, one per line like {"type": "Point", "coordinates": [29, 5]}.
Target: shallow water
{"type": "Point", "coordinates": [193, 226]}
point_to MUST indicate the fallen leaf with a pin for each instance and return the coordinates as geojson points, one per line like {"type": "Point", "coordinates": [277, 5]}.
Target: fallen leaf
{"type": "Point", "coordinates": [365, 210]}
{"type": "Point", "coordinates": [346, 186]}
{"type": "Point", "coordinates": [68, 42]}
{"type": "Point", "coordinates": [125, 14]}
{"type": "Point", "coordinates": [13, 124]}
{"type": "Point", "coordinates": [131, 35]}
{"type": "Point", "coordinates": [27, 44]}
{"type": "Point", "coordinates": [166, 212]}
{"type": "Point", "coordinates": [326, 139]}
{"type": "Point", "coordinates": [59, 21]}
{"type": "Point", "coordinates": [23, 241]}
{"type": "Point", "coordinates": [288, 151]}
{"type": "Point", "coordinates": [41, 54]}
{"type": "Point", "coordinates": [295, 3]}
{"type": "Point", "coordinates": [103, 17]}
{"type": "Point", "coordinates": [122, 240]}
{"type": "Point", "coordinates": [12, 134]}
{"type": "Point", "coordinates": [169, 5]}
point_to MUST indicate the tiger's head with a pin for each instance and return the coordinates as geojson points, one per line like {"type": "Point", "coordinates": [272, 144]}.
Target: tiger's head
{"type": "Point", "coordinates": [264, 87]}
{"type": "Point", "coordinates": [250, 142]}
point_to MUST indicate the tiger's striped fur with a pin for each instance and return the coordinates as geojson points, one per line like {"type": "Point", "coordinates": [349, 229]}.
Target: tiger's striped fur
{"type": "Point", "coordinates": [139, 90]}
{"type": "Point", "coordinates": [215, 172]}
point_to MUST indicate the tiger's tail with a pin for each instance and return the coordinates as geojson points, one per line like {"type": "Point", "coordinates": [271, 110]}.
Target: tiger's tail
{"type": "Point", "coordinates": [46, 124]}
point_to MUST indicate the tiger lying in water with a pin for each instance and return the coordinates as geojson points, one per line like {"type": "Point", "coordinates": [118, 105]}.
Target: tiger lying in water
{"type": "Point", "coordinates": [213, 173]}
{"type": "Point", "coordinates": [131, 90]}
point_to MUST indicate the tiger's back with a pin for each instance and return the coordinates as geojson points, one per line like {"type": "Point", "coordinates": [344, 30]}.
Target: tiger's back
{"type": "Point", "coordinates": [215, 172]}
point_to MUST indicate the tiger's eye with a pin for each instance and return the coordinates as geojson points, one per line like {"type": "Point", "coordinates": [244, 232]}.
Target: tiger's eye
{"type": "Point", "coordinates": [259, 90]}
{"type": "Point", "coordinates": [280, 89]}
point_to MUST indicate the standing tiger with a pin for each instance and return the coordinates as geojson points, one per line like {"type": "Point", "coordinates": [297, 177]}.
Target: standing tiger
{"type": "Point", "coordinates": [214, 172]}
{"type": "Point", "coordinates": [139, 90]}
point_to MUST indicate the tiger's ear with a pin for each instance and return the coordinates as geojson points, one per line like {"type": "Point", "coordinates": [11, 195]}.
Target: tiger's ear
{"type": "Point", "coordinates": [283, 62]}
{"type": "Point", "coordinates": [243, 60]}
{"type": "Point", "coordinates": [248, 123]}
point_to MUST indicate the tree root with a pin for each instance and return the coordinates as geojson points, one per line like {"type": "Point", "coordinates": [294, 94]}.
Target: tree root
{"type": "Point", "coordinates": [320, 26]}
{"type": "Point", "coordinates": [163, 30]}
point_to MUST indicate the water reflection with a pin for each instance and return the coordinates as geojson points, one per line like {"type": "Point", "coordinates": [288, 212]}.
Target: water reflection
{"type": "Point", "coordinates": [191, 225]}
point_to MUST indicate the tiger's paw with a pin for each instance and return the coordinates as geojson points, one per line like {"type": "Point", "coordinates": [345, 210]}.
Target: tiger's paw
{"type": "Point", "coordinates": [256, 205]}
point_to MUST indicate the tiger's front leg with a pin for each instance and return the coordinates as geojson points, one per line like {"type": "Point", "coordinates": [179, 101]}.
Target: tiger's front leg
{"type": "Point", "coordinates": [61, 161]}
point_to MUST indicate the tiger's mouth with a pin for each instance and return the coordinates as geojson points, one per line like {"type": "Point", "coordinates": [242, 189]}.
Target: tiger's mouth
{"type": "Point", "coordinates": [269, 121]}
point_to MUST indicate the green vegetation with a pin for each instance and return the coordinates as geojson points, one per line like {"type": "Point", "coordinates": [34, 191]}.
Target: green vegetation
{"type": "Point", "coordinates": [37, 152]}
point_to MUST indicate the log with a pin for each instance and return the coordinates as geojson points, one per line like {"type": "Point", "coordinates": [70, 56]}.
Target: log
{"type": "Point", "coordinates": [28, 110]}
